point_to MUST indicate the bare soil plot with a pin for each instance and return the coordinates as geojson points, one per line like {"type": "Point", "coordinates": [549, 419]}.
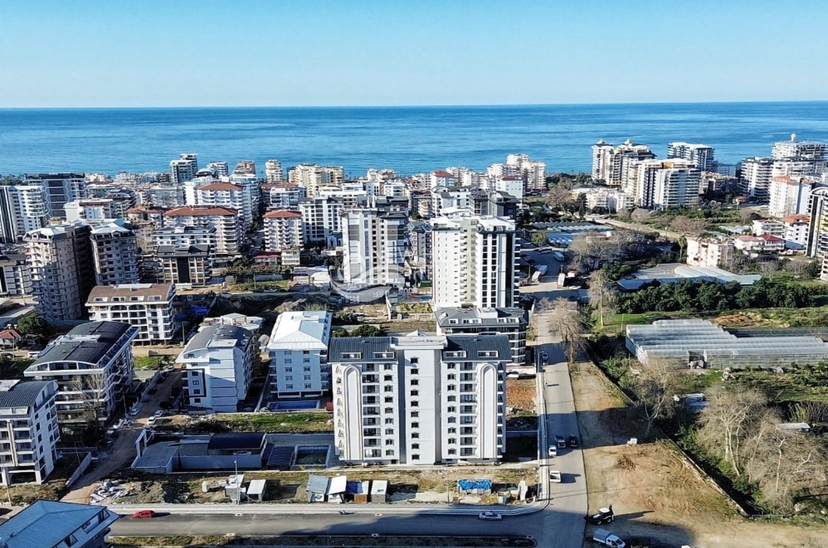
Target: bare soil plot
{"type": "Point", "coordinates": [658, 497]}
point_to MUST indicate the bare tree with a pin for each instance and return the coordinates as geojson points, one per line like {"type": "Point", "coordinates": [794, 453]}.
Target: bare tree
{"type": "Point", "coordinates": [654, 388]}
{"type": "Point", "coordinates": [558, 197]}
{"type": "Point", "coordinates": [624, 214]}
{"type": "Point", "coordinates": [746, 215]}
{"type": "Point", "coordinates": [688, 228]}
{"type": "Point", "coordinates": [640, 215]}
{"type": "Point", "coordinates": [567, 324]}
{"type": "Point", "coordinates": [768, 268]}
{"type": "Point", "coordinates": [601, 295]}
{"type": "Point", "coordinates": [90, 391]}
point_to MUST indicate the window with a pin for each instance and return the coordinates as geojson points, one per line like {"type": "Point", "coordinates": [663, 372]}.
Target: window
{"type": "Point", "coordinates": [452, 441]}
{"type": "Point", "coordinates": [415, 446]}
{"type": "Point", "coordinates": [415, 360]}
{"type": "Point", "coordinates": [289, 378]}
{"type": "Point", "coordinates": [415, 457]}
{"type": "Point", "coordinates": [452, 430]}
{"type": "Point", "coordinates": [415, 404]}
{"type": "Point", "coordinates": [288, 369]}
{"type": "Point", "coordinates": [415, 392]}
{"type": "Point", "coordinates": [305, 351]}
{"type": "Point", "coordinates": [415, 382]}
{"type": "Point", "coordinates": [415, 414]}
{"type": "Point", "coordinates": [388, 378]}
{"type": "Point", "coordinates": [389, 399]}
{"type": "Point", "coordinates": [307, 377]}
{"type": "Point", "coordinates": [415, 425]}
{"type": "Point", "coordinates": [352, 355]}
{"type": "Point", "coordinates": [389, 431]}
{"type": "Point", "coordinates": [415, 371]}
{"type": "Point", "coordinates": [306, 368]}
{"type": "Point", "coordinates": [305, 360]}
{"type": "Point", "coordinates": [388, 389]}
{"type": "Point", "coordinates": [451, 366]}
{"type": "Point", "coordinates": [452, 409]}
{"type": "Point", "coordinates": [452, 377]}
{"type": "Point", "coordinates": [389, 420]}
{"type": "Point", "coordinates": [452, 451]}
{"type": "Point", "coordinates": [389, 409]}
{"type": "Point", "coordinates": [452, 398]}
{"type": "Point", "coordinates": [389, 442]}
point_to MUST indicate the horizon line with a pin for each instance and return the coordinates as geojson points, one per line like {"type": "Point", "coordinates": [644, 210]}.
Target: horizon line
{"type": "Point", "coordinates": [490, 105]}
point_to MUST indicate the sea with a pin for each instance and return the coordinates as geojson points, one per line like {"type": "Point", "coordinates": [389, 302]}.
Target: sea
{"type": "Point", "coordinates": [406, 139]}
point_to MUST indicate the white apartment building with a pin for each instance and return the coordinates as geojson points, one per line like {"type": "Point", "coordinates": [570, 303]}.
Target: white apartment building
{"type": "Point", "coordinates": [510, 322]}
{"type": "Point", "coordinates": [474, 261]}
{"type": "Point", "coordinates": [273, 171]}
{"type": "Point", "coordinates": [185, 254]}
{"type": "Point", "coordinates": [709, 253]}
{"type": "Point", "coordinates": [62, 270]}
{"type": "Point", "coordinates": [190, 188]}
{"type": "Point", "coordinates": [322, 220]}
{"type": "Point", "coordinates": [59, 188]}
{"type": "Point", "coordinates": [533, 172]}
{"type": "Point", "coordinates": [230, 196]}
{"type": "Point", "coordinates": [149, 307]}
{"type": "Point", "coordinates": [818, 226]}
{"type": "Point", "coordinates": [799, 150]}
{"type": "Point", "coordinates": [394, 189]}
{"type": "Point", "coordinates": [298, 349]}
{"type": "Point", "coordinates": [28, 431]}
{"type": "Point", "coordinates": [218, 367]}
{"type": "Point", "coordinates": [229, 234]}
{"type": "Point", "coordinates": [183, 169]}
{"type": "Point", "coordinates": [91, 210]}
{"type": "Point", "coordinates": [676, 185]}
{"type": "Point", "coordinates": [610, 164]}
{"type": "Point", "coordinates": [774, 227]}
{"type": "Point", "coordinates": [22, 209]}
{"type": "Point", "coordinates": [441, 178]}
{"type": "Point", "coordinates": [639, 182]}
{"type": "Point", "coordinates": [789, 195]}
{"type": "Point", "coordinates": [166, 196]}
{"type": "Point", "coordinates": [610, 199]}
{"type": "Point", "coordinates": [449, 199]}
{"type": "Point", "coordinates": [350, 194]}
{"type": "Point", "coordinates": [796, 229]}
{"type": "Point", "coordinates": [115, 252]}
{"type": "Point", "coordinates": [283, 229]}
{"type": "Point", "coordinates": [93, 368]}
{"type": "Point", "coordinates": [283, 195]}
{"type": "Point", "coordinates": [755, 178]}
{"type": "Point", "coordinates": [700, 155]}
{"type": "Point", "coordinates": [419, 399]}
{"type": "Point", "coordinates": [510, 184]}
{"type": "Point", "coordinates": [374, 243]}
{"type": "Point", "coordinates": [221, 169]}
{"type": "Point", "coordinates": [312, 176]}
{"type": "Point", "coordinates": [15, 275]}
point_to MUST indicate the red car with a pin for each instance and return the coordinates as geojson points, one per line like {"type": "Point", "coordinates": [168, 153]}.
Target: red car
{"type": "Point", "coordinates": [143, 514]}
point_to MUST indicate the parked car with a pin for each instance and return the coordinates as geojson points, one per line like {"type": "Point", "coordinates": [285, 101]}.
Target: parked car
{"type": "Point", "coordinates": [602, 516]}
{"type": "Point", "coordinates": [143, 514]}
{"type": "Point", "coordinates": [158, 413]}
{"type": "Point", "coordinates": [560, 441]}
{"type": "Point", "coordinates": [602, 536]}
{"type": "Point", "coordinates": [553, 451]}
{"type": "Point", "coordinates": [555, 476]}
{"type": "Point", "coordinates": [151, 421]}
{"type": "Point", "coordinates": [572, 441]}
{"type": "Point", "coordinates": [490, 516]}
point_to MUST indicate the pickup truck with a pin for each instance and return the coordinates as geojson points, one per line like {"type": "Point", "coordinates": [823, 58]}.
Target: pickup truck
{"type": "Point", "coordinates": [602, 536]}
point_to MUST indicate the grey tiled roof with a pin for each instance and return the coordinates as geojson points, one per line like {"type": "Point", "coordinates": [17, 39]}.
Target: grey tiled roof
{"type": "Point", "coordinates": [472, 344]}
{"type": "Point", "coordinates": [219, 332]}
{"type": "Point", "coordinates": [349, 345]}
{"type": "Point", "coordinates": [88, 342]}
{"type": "Point", "coordinates": [22, 394]}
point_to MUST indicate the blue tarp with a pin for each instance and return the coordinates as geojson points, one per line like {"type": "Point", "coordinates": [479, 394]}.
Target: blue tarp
{"type": "Point", "coordinates": [470, 485]}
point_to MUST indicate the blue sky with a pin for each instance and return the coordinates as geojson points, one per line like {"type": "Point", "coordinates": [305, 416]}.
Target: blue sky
{"type": "Point", "coordinates": [397, 52]}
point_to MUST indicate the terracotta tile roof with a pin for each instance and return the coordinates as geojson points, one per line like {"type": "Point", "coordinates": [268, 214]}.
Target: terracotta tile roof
{"type": "Point", "coordinates": [220, 186]}
{"type": "Point", "coordinates": [796, 219]}
{"type": "Point", "coordinates": [282, 214]}
{"type": "Point", "coordinates": [440, 173]}
{"type": "Point", "coordinates": [196, 211]}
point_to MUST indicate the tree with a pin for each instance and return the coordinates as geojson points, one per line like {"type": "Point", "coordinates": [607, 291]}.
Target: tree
{"type": "Point", "coordinates": [566, 323]}
{"type": "Point", "coordinates": [654, 388]}
{"type": "Point", "coordinates": [90, 390]}
{"type": "Point", "coordinates": [640, 215]}
{"type": "Point", "coordinates": [601, 295]}
{"type": "Point", "coordinates": [540, 239]}
{"type": "Point", "coordinates": [34, 325]}
{"type": "Point", "coordinates": [558, 197]}
{"type": "Point", "coordinates": [688, 228]}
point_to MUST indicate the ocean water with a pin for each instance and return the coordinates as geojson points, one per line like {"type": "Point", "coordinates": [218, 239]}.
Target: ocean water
{"type": "Point", "coordinates": [406, 139]}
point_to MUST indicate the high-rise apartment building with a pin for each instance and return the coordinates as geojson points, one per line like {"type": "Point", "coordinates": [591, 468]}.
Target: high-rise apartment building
{"type": "Point", "coordinates": [183, 169]}
{"type": "Point", "coordinates": [218, 367]}
{"type": "Point", "coordinates": [91, 210]}
{"type": "Point", "coordinates": [220, 169]}
{"type": "Point", "coordinates": [15, 275]}
{"type": "Point", "coordinates": [228, 230]}
{"type": "Point", "coordinates": [701, 155]}
{"type": "Point", "coordinates": [419, 399]}
{"type": "Point", "coordinates": [811, 151]}
{"type": "Point", "coordinates": [789, 195]}
{"type": "Point", "coordinates": [676, 185]}
{"type": "Point", "coordinates": [817, 245]}
{"type": "Point", "coordinates": [115, 250]}
{"type": "Point", "coordinates": [273, 171]}
{"type": "Point", "coordinates": [22, 209]}
{"type": "Point", "coordinates": [59, 188]}
{"type": "Point", "coordinates": [185, 254]}
{"type": "Point", "coordinates": [474, 261]}
{"type": "Point", "coordinates": [755, 177]}
{"type": "Point", "coordinates": [62, 268]}
{"type": "Point", "coordinates": [282, 195]}
{"type": "Point", "coordinates": [283, 229]}
{"type": "Point", "coordinates": [30, 431]}
{"type": "Point", "coordinates": [298, 349]}
{"type": "Point", "coordinates": [610, 164]}
{"type": "Point", "coordinates": [312, 176]}
{"type": "Point", "coordinates": [93, 367]}
{"type": "Point", "coordinates": [322, 220]}
{"type": "Point", "coordinates": [374, 242]}
{"type": "Point", "coordinates": [230, 196]}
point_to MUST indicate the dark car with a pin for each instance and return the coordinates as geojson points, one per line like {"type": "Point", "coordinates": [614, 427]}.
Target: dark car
{"type": "Point", "coordinates": [572, 441]}
{"type": "Point", "coordinates": [603, 516]}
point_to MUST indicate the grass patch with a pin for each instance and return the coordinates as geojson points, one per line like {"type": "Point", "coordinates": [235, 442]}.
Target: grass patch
{"type": "Point", "coordinates": [149, 362]}
{"type": "Point", "coordinates": [304, 422]}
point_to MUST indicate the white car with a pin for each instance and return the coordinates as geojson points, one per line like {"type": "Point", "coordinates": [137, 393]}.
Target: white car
{"type": "Point", "coordinates": [490, 516]}
{"type": "Point", "coordinates": [159, 413]}
{"type": "Point", "coordinates": [151, 421]}
{"type": "Point", "coordinates": [553, 451]}
{"type": "Point", "coordinates": [555, 476]}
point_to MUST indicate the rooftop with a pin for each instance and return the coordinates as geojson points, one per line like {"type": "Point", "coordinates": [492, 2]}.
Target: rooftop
{"type": "Point", "coordinates": [307, 330]}
{"type": "Point", "coordinates": [107, 292]}
{"type": "Point", "coordinates": [219, 336]}
{"type": "Point", "coordinates": [87, 343]}
{"type": "Point", "coordinates": [220, 186]}
{"type": "Point", "coordinates": [20, 394]}
{"type": "Point", "coordinates": [199, 211]}
{"type": "Point", "coordinates": [47, 523]}
{"type": "Point", "coordinates": [282, 214]}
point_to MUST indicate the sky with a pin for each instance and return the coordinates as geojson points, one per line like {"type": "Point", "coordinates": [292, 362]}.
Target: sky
{"type": "Point", "coordinates": [149, 53]}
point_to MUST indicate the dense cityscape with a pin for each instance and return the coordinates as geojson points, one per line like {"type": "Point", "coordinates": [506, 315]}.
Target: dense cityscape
{"type": "Point", "coordinates": [179, 322]}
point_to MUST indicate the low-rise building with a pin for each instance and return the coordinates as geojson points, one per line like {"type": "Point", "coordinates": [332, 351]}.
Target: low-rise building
{"type": "Point", "coordinates": [759, 244]}
{"type": "Point", "coordinates": [298, 349]}
{"type": "Point", "coordinates": [30, 432]}
{"type": "Point", "coordinates": [53, 524]}
{"type": "Point", "coordinates": [218, 364]}
{"type": "Point", "coordinates": [149, 307]}
{"type": "Point", "coordinates": [709, 253]}
{"type": "Point", "coordinates": [796, 229]}
{"type": "Point", "coordinates": [93, 368]}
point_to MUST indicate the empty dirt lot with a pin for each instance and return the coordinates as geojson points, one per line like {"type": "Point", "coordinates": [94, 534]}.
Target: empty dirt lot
{"type": "Point", "coordinates": [658, 497]}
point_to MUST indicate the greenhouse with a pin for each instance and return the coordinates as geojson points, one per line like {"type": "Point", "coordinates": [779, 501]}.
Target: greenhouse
{"type": "Point", "coordinates": [701, 344]}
